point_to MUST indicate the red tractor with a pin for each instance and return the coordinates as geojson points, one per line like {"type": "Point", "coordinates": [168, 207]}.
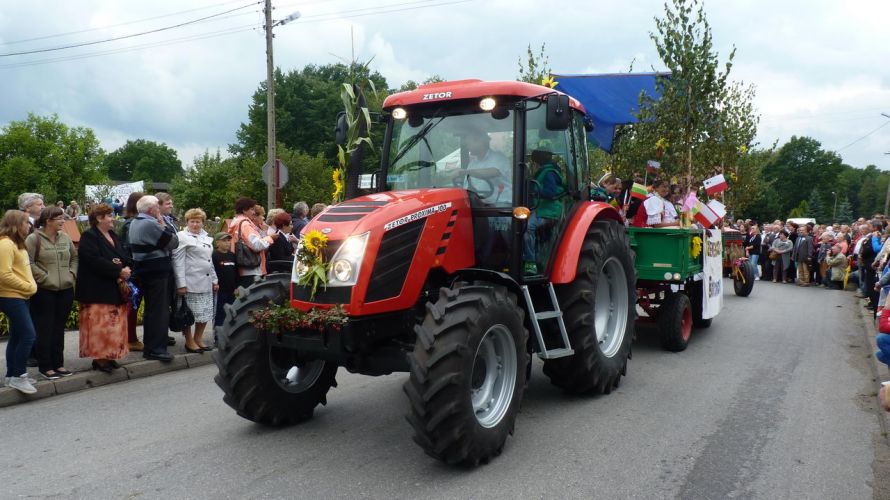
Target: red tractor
{"type": "Point", "coordinates": [479, 247]}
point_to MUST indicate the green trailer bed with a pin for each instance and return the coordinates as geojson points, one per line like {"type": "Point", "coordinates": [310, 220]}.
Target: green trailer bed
{"type": "Point", "coordinates": [664, 254]}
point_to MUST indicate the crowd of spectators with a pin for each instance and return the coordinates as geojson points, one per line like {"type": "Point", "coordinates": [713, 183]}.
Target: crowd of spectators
{"type": "Point", "coordinates": [150, 261]}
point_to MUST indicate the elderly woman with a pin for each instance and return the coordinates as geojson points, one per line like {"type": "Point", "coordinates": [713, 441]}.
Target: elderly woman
{"type": "Point", "coordinates": [54, 266]}
{"type": "Point", "coordinates": [195, 277]}
{"type": "Point", "coordinates": [837, 265]}
{"type": "Point", "coordinates": [781, 246]}
{"type": "Point", "coordinates": [103, 267]}
{"type": "Point", "coordinates": [243, 229]}
{"type": "Point", "coordinates": [16, 286]}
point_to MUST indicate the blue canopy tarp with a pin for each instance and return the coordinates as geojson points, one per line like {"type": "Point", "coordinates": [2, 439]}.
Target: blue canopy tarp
{"type": "Point", "coordinates": [610, 99]}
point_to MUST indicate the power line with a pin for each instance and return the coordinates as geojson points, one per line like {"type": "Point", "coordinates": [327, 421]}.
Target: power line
{"type": "Point", "coordinates": [162, 43]}
{"type": "Point", "coordinates": [125, 23]}
{"type": "Point", "coordinates": [340, 15]}
{"type": "Point", "coordinates": [122, 37]}
{"type": "Point", "coordinates": [863, 137]}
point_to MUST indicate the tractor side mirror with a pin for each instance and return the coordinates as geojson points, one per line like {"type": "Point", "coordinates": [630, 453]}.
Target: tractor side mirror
{"type": "Point", "coordinates": [558, 112]}
{"type": "Point", "coordinates": [341, 129]}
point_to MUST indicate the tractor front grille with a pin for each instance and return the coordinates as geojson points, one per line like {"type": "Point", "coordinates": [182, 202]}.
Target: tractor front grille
{"type": "Point", "coordinates": [393, 260]}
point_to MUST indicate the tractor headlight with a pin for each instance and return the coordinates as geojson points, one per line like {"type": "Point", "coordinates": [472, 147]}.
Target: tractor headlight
{"type": "Point", "coordinates": [347, 261]}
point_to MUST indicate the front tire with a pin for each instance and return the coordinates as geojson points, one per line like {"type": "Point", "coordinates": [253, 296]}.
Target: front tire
{"type": "Point", "coordinates": [599, 312]}
{"type": "Point", "coordinates": [467, 373]}
{"type": "Point", "coordinates": [743, 289]}
{"type": "Point", "coordinates": [675, 322]}
{"type": "Point", "coordinates": [263, 383]}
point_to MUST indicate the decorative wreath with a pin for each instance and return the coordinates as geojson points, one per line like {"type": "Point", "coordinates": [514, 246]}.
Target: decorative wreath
{"type": "Point", "coordinates": [695, 247]}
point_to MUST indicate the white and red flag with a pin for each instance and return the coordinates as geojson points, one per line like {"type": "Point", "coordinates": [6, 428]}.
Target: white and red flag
{"type": "Point", "coordinates": [716, 184]}
{"type": "Point", "coordinates": [704, 215]}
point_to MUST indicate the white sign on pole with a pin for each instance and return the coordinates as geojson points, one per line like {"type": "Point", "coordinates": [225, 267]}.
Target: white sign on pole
{"type": "Point", "coordinates": [712, 286]}
{"type": "Point", "coordinates": [120, 192]}
{"type": "Point", "coordinates": [269, 173]}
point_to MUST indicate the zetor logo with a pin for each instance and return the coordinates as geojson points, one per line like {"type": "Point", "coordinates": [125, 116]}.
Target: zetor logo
{"type": "Point", "coordinates": [436, 95]}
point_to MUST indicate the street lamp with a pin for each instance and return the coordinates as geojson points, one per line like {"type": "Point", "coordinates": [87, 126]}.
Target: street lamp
{"type": "Point", "coordinates": [270, 95]}
{"type": "Point", "coordinates": [834, 214]}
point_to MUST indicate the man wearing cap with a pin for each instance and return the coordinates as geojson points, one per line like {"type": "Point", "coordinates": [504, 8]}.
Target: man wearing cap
{"type": "Point", "coordinates": [551, 189]}
{"type": "Point", "coordinates": [227, 274]}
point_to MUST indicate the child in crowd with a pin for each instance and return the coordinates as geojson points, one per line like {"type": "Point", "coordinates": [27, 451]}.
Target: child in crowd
{"type": "Point", "coordinates": [227, 274]}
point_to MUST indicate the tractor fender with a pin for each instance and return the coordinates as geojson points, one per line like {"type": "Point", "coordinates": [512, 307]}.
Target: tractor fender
{"type": "Point", "coordinates": [471, 274]}
{"type": "Point", "coordinates": [565, 262]}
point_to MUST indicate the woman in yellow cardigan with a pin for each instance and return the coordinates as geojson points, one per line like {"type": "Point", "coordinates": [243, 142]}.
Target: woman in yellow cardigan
{"type": "Point", "coordinates": [16, 286]}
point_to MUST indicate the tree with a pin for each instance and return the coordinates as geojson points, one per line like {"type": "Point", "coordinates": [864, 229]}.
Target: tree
{"type": "Point", "coordinates": [844, 212]}
{"type": "Point", "coordinates": [801, 162]}
{"type": "Point", "coordinates": [411, 84]}
{"type": "Point", "coordinates": [143, 160]}
{"type": "Point", "coordinates": [306, 105]}
{"type": "Point", "coordinates": [705, 120]}
{"type": "Point", "coordinates": [815, 208]}
{"type": "Point", "coordinates": [536, 68]}
{"type": "Point", "coordinates": [213, 183]}
{"type": "Point", "coordinates": [42, 154]}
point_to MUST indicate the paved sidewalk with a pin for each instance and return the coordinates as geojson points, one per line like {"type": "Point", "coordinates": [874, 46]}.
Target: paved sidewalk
{"type": "Point", "coordinates": [133, 366]}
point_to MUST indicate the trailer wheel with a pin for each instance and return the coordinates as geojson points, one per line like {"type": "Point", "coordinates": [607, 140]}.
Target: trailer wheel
{"type": "Point", "coordinates": [675, 321]}
{"type": "Point", "coordinates": [468, 373]}
{"type": "Point", "coordinates": [697, 298]}
{"type": "Point", "coordinates": [743, 289]}
{"type": "Point", "coordinates": [263, 383]}
{"type": "Point", "coordinates": [599, 311]}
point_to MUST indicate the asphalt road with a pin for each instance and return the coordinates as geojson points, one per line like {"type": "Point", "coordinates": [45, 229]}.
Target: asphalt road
{"type": "Point", "coordinates": [767, 403]}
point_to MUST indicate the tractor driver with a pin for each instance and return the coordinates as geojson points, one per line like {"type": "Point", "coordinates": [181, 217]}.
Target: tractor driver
{"type": "Point", "coordinates": [489, 165]}
{"type": "Point", "coordinates": [550, 188]}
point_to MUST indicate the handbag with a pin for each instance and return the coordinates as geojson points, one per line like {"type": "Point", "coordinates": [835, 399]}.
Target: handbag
{"type": "Point", "coordinates": [773, 255]}
{"type": "Point", "coordinates": [244, 256]}
{"type": "Point", "coordinates": [182, 316]}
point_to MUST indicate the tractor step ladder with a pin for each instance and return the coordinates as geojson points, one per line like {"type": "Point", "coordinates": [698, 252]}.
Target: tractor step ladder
{"type": "Point", "coordinates": [537, 317]}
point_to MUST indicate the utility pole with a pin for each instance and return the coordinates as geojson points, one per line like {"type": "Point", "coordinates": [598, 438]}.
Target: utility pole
{"type": "Point", "coordinates": [887, 196]}
{"type": "Point", "coordinates": [270, 105]}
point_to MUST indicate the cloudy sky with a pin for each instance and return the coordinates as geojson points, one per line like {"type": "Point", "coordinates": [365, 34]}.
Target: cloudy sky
{"type": "Point", "coordinates": [820, 67]}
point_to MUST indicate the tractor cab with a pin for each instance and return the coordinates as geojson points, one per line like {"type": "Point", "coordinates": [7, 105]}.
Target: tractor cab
{"type": "Point", "coordinates": [518, 150]}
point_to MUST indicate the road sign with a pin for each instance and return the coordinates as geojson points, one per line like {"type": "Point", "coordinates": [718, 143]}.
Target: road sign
{"type": "Point", "coordinates": [269, 174]}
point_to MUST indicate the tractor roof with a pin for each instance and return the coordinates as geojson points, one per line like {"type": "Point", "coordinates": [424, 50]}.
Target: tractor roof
{"type": "Point", "coordinates": [469, 89]}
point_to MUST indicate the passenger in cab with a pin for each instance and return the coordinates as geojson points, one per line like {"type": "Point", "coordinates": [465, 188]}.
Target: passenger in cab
{"type": "Point", "coordinates": [608, 189]}
{"type": "Point", "coordinates": [550, 189]}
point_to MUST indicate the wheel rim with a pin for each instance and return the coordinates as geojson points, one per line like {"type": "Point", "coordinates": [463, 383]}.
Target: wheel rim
{"type": "Point", "coordinates": [290, 373]}
{"type": "Point", "coordinates": [686, 324]}
{"type": "Point", "coordinates": [494, 376]}
{"type": "Point", "coordinates": [610, 309]}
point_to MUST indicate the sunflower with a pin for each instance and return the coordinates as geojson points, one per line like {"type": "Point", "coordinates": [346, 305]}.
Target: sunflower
{"type": "Point", "coordinates": [695, 247]}
{"type": "Point", "coordinates": [549, 82]}
{"type": "Point", "coordinates": [314, 241]}
{"type": "Point", "coordinates": [338, 184]}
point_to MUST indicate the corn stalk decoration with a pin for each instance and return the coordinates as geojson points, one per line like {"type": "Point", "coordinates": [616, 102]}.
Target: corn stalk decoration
{"type": "Point", "coordinates": [358, 126]}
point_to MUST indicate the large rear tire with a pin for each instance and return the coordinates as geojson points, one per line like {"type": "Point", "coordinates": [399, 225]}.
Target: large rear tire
{"type": "Point", "coordinates": [467, 373]}
{"type": "Point", "coordinates": [265, 384]}
{"type": "Point", "coordinates": [675, 322]}
{"type": "Point", "coordinates": [599, 311]}
{"type": "Point", "coordinates": [744, 288]}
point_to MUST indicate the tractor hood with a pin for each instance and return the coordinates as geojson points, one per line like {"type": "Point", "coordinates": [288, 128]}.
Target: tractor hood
{"type": "Point", "coordinates": [382, 212]}
{"type": "Point", "coordinates": [400, 237]}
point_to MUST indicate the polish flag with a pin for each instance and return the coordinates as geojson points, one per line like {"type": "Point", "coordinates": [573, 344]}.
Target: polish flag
{"type": "Point", "coordinates": [718, 208]}
{"type": "Point", "coordinates": [639, 191]}
{"type": "Point", "coordinates": [653, 166]}
{"type": "Point", "coordinates": [716, 184]}
{"type": "Point", "coordinates": [704, 215]}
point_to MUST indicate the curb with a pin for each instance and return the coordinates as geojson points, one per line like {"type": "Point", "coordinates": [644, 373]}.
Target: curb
{"type": "Point", "coordinates": [880, 370]}
{"type": "Point", "coordinates": [89, 379]}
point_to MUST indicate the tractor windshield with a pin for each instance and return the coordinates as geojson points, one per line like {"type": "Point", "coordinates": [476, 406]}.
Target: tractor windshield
{"type": "Point", "coordinates": [474, 151]}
